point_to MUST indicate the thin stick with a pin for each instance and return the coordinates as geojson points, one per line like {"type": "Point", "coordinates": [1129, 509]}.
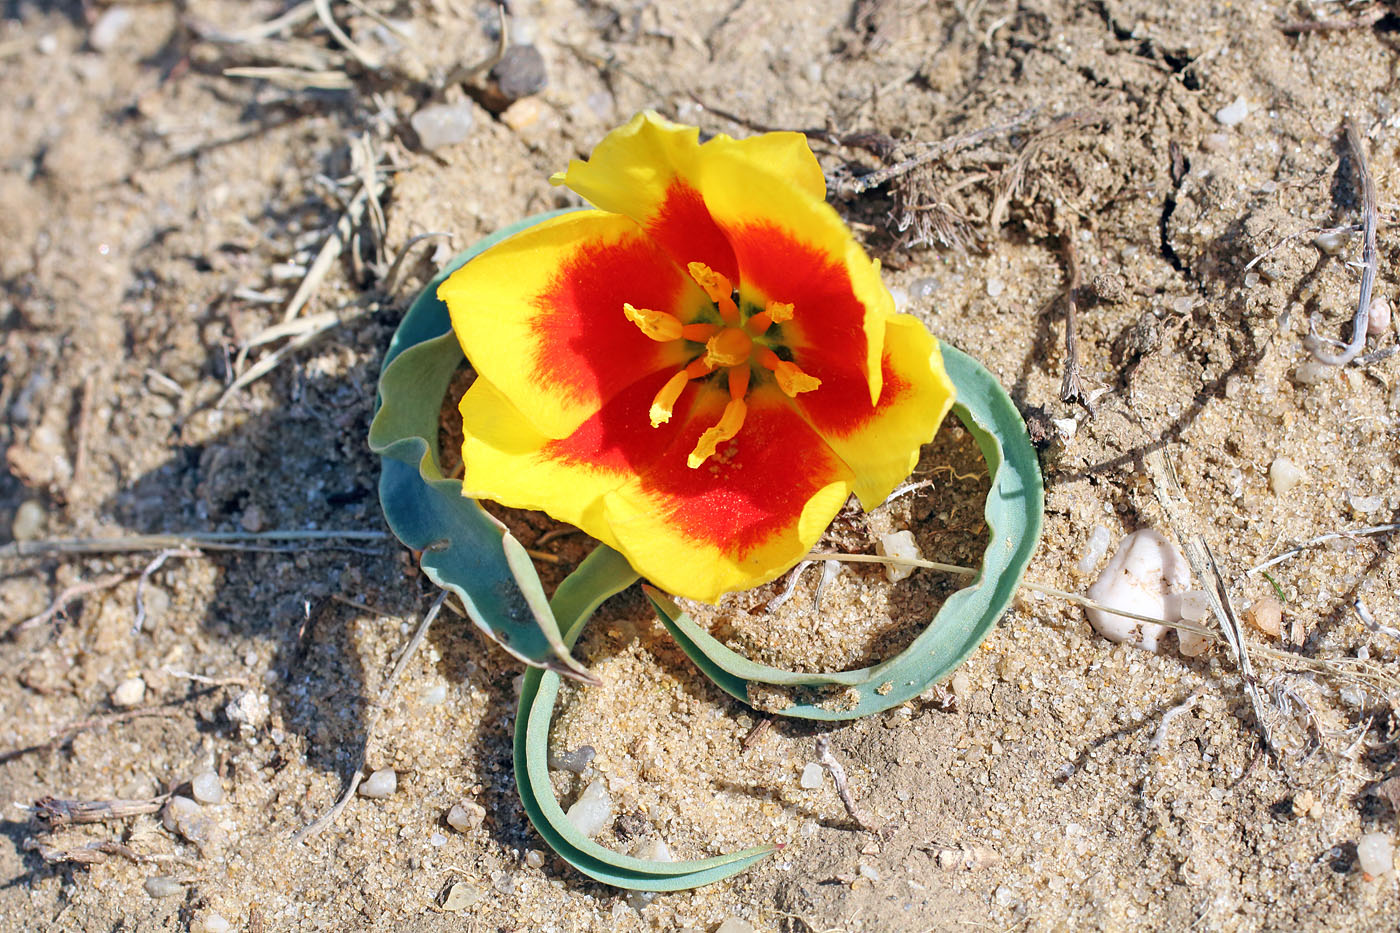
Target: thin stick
{"type": "Point", "coordinates": [1072, 386]}
{"type": "Point", "coordinates": [330, 816]}
{"type": "Point", "coordinates": [323, 10]}
{"type": "Point", "coordinates": [1364, 21]}
{"type": "Point", "coordinates": [274, 359]}
{"type": "Point", "coordinates": [80, 455]}
{"type": "Point", "coordinates": [151, 568]}
{"type": "Point", "coordinates": [325, 820]}
{"type": "Point", "coordinates": [1362, 316]}
{"type": "Point", "coordinates": [1320, 539]}
{"type": "Point", "coordinates": [205, 540]}
{"type": "Point", "coordinates": [391, 280]}
{"type": "Point", "coordinates": [1160, 735]}
{"type": "Point", "coordinates": [465, 73]}
{"type": "Point", "coordinates": [62, 601]}
{"type": "Point", "coordinates": [930, 151]}
{"type": "Point", "coordinates": [330, 251]}
{"type": "Point", "coordinates": [411, 647]}
{"type": "Point", "coordinates": [293, 79]}
{"type": "Point", "coordinates": [84, 725]}
{"type": "Point", "coordinates": [54, 812]}
{"type": "Point", "coordinates": [843, 790]}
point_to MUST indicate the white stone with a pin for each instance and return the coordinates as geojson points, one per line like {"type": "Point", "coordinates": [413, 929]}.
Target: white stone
{"type": "Point", "coordinates": [653, 849]}
{"type": "Point", "coordinates": [435, 695]}
{"type": "Point", "coordinates": [249, 710]}
{"type": "Point", "coordinates": [995, 287]}
{"type": "Point", "coordinates": [1139, 577]}
{"type": "Point", "coordinates": [1095, 547]}
{"type": "Point", "coordinates": [441, 125]}
{"type": "Point", "coordinates": [1375, 853]}
{"type": "Point", "coordinates": [1332, 242]}
{"type": "Point", "coordinates": [812, 774]}
{"type": "Point", "coordinates": [207, 788]}
{"type": "Point", "coordinates": [734, 925]}
{"type": "Point", "coordinates": [213, 923]}
{"type": "Point", "coordinates": [1378, 317]}
{"type": "Point", "coordinates": [898, 544]}
{"type": "Point", "coordinates": [1314, 372]}
{"type": "Point", "coordinates": [1233, 114]}
{"type": "Point", "coordinates": [1284, 474]}
{"type": "Point", "coordinates": [161, 886]}
{"type": "Point", "coordinates": [592, 812]}
{"type": "Point", "coordinates": [380, 784]}
{"type": "Point", "coordinates": [28, 522]}
{"type": "Point", "coordinates": [961, 684]}
{"type": "Point", "coordinates": [129, 693]}
{"type": "Point", "coordinates": [108, 28]}
{"type": "Point", "coordinates": [466, 816]}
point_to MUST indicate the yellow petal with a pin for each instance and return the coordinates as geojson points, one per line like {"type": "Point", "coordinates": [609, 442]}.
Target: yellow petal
{"type": "Point", "coordinates": [541, 314]}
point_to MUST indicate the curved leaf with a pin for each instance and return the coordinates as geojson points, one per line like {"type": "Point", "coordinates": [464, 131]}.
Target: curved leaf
{"type": "Point", "coordinates": [603, 573]}
{"type": "Point", "coordinates": [1014, 513]}
{"type": "Point", "coordinates": [464, 549]}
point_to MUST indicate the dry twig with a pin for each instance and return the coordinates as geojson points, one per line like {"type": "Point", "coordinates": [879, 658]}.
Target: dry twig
{"type": "Point", "coordinates": [843, 789]}
{"type": "Point", "coordinates": [1072, 386]}
{"type": "Point", "coordinates": [67, 597]}
{"type": "Point", "coordinates": [1362, 317]}
{"type": "Point", "coordinates": [329, 539]}
{"type": "Point", "coordinates": [53, 812]}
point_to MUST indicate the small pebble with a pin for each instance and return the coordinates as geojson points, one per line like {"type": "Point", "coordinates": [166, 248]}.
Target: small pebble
{"type": "Point", "coordinates": [1284, 474]}
{"type": "Point", "coordinates": [519, 73]}
{"type": "Point", "coordinates": [734, 925]}
{"type": "Point", "coordinates": [28, 522]}
{"type": "Point", "coordinates": [108, 28]}
{"type": "Point", "coordinates": [460, 896]}
{"type": "Point", "coordinates": [1251, 279]}
{"type": "Point", "coordinates": [252, 520]}
{"type": "Point", "coordinates": [1379, 320]}
{"type": "Point", "coordinates": [812, 775]}
{"type": "Point", "coordinates": [1332, 242]}
{"type": "Point", "coordinates": [161, 886]}
{"type": "Point", "coordinates": [380, 784]}
{"type": "Point", "coordinates": [466, 816]}
{"type": "Point", "coordinates": [1233, 114]}
{"type": "Point", "coordinates": [1375, 854]}
{"type": "Point", "coordinates": [435, 695]}
{"type": "Point", "coordinates": [1266, 615]}
{"type": "Point", "coordinates": [1314, 372]}
{"type": "Point", "coordinates": [1095, 547]}
{"type": "Point", "coordinates": [438, 840]}
{"type": "Point", "coordinates": [129, 693]}
{"type": "Point", "coordinates": [923, 288]}
{"type": "Point", "coordinates": [523, 113]}
{"type": "Point", "coordinates": [1191, 607]}
{"type": "Point", "coordinates": [207, 788]}
{"type": "Point", "coordinates": [898, 544]}
{"type": "Point", "coordinates": [1109, 287]}
{"type": "Point", "coordinates": [1139, 577]}
{"type": "Point", "coordinates": [962, 685]}
{"type": "Point", "coordinates": [249, 710]}
{"type": "Point", "coordinates": [576, 761]}
{"type": "Point", "coordinates": [534, 858]}
{"type": "Point", "coordinates": [183, 816]}
{"type": "Point", "coordinates": [995, 287]}
{"type": "Point", "coordinates": [869, 873]}
{"type": "Point", "coordinates": [592, 812]}
{"type": "Point", "coordinates": [442, 125]}
{"type": "Point", "coordinates": [212, 923]}
{"type": "Point", "coordinates": [1217, 142]}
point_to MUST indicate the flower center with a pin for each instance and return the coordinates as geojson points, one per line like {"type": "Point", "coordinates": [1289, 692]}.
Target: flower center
{"type": "Point", "coordinates": [741, 347]}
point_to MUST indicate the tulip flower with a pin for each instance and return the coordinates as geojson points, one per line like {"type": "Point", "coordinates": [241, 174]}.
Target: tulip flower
{"type": "Point", "coordinates": [699, 371]}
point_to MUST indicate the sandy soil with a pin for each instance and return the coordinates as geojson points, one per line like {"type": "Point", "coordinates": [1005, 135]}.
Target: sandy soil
{"type": "Point", "coordinates": [160, 212]}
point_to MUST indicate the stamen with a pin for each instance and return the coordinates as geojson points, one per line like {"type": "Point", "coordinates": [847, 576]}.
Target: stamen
{"type": "Point", "coordinates": [729, 347]}
{"type": "Point", "coordinates": [718, 288]}
{"type": "Point", "coordinates": [665, 401]}
{"type": "Point", "coordinates": [729, 424]}
{"type": "Point", "coordinates": [739, 380]}
{"type": "Point", "coordinates": [658, 325]}
{"type": "Point", "coordinates": [776, 313]}
{"type": "Point", "coordinates": [700, 333]}
{"type": "Point", "coordinates": [791, 379]}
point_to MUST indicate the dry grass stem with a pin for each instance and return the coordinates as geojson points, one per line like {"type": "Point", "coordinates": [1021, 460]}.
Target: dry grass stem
{"type": "Point", "coordinates": [298, 14]}
{"type": "Point", "coordinates": [1321, 539]}
{"type": "Point", "coordinates": [843, 788]}
{"type": "Point", "coordinates": [293, 79]}
{"type": "Point", "coordinates": [1367, 186]}
{"type": "Point", "coordinates": [330, 539]}
{"type": "Point", "coordinates": [1072, 385]}
{"type": "Point", "coordinates": [64, 599]}
{"type": "Point", "coordinates": [54, 812]}
{"type": "Point", "coordinates": [370, 61]}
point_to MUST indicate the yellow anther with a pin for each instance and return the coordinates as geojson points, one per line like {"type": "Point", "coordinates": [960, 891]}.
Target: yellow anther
{"type": "Point", "coordinates": [729, 424]}
{"type": "Point", "coordinates": [665, 400]}
{"type": "Point", "coordinates": [718, 288]}
{"type": "Point", "coordinates": [658, 325]}
{"type": "Point", "coordinates": [793, 381]}
{"type": "Point", "coordinates": [715, 285]}
{"type": "Point", "coordinates": [729, 347]}
{"type": "Point", "coordinates": [779, 311]}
